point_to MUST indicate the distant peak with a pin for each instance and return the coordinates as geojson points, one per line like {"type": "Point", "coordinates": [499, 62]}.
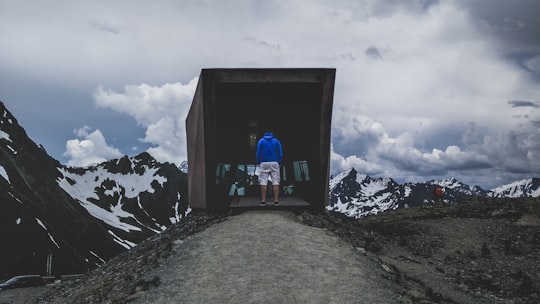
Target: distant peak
{"type": "Point", "coordinates": [145, 157]}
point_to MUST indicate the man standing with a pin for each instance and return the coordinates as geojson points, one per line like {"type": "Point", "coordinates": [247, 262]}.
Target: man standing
{"type": "Point", "coordinates": [269, 158]}
{"type": "Point", "coordinates": [438, 194]}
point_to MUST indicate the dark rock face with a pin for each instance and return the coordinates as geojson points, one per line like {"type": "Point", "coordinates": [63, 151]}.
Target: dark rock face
{"type": "Point", "coordinates": [47, 209]}
{"type": "Point", "coordinates": [37, 217]}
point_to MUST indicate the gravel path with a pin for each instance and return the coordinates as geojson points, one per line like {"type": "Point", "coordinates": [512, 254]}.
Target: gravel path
{"type": "Point", "coordinates": [268, 257]}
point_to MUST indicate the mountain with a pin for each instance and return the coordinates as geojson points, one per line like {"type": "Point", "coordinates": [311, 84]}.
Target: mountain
{"type": "Point", "coordinates": [524, 188]}
{"type": "Point", "coordinates": [135, 196]}
{"type": "Point", "coordinates": [357, 195]}
{"type": "Point", "coordinates": [79, 217]}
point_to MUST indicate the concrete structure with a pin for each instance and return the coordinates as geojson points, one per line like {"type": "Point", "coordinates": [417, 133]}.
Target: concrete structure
{"type": "Point", "coordinates": [231, 110]}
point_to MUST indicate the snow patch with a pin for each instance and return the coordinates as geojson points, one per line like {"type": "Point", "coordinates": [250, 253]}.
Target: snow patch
{"type": "Point", "coordinates": [4, 174]}
{"type": "Point", "coordinates": [50, 236]}
{"type": "Point", "coordinates": [18, 200]}
{"type": "Point", "coordinates": [374, 187]}
{"type": "Point", "coordinates": [97, 256]}
{"type": "Point", "coordinates": [4, 135]}
{"type": "Point", "coordinates": [124, 243]}
{"type": "Point", "coordinates": [82, 188]}
{"type": "Point", "coordinates": [408, 191]}
{"type": "Point", "coordinates": [52, 240]}
{"type": "Point", "coordinates": [12, 150]}
{"type": "Point", "coordinates": [41, 224]}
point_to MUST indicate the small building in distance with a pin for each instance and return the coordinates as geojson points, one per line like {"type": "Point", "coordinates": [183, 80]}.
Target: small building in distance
{"type": "Point", "coordinates": [233, 108]}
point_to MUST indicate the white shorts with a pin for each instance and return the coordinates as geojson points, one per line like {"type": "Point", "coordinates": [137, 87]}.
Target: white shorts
{"type": "Point", "coordinates": [269, 169]}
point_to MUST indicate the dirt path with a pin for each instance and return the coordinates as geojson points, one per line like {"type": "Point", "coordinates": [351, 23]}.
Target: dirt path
{"type": "Point", "coordinates": [268, 257]}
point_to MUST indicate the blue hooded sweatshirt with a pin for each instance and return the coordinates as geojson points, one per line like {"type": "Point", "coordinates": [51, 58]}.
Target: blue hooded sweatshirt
{"type": "Point", "coordinates": [269, 149]}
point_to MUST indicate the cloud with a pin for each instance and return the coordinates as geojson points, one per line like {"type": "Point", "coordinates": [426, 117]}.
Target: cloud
{"type": "Point", "coordinates": [523, 103]}
{"type": "Point", "coordinates": [533, 64]}
{"type": "Point", "coordinates": [160, 110]}
{"type": "Point", "coordinates": [91, 149]}
{"type": "Point", "coordinates": [263, 43]}
{"type": "Point", "coordinates": [373, 53]}
{"type": "Point", "coordinates": [106, 26]}
{"type": "Point", "coordinates": [452, 82]}
{"type": "Point", "coordinates": [505, 154]}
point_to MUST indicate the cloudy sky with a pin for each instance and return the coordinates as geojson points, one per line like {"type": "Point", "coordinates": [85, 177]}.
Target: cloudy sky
{"type": "Point", "coordinates": [425, 89]}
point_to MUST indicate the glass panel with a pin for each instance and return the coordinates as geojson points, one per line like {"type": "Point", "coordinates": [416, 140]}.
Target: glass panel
{"type": "Point", "coordinates": [238, 187]}
{"type": "Point", "coordinates": [222, 171]}
{"type": "Point", "coordinates": [252, 179]}
{"type": "Point", "coordinates": [301, 170]}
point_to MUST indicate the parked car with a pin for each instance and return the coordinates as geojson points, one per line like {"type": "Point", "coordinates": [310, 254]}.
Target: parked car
{"type": "Point", "coordinates": [23, 281]}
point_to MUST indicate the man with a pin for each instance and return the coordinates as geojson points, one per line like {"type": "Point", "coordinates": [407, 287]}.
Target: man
{"type": "Point", "coordinates": [269, 157]}
{"type": "Point", "coordinates": [438, 194]}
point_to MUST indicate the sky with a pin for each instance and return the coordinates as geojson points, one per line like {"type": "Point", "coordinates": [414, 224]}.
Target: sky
{"type": "Point", "coordinates": [424, 90]}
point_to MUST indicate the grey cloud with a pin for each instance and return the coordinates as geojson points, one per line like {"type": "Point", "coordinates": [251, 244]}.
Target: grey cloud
{"type": "Point", "coordinates": [106, 26]}
{"type": "Point", "coordinates": [515, 23]}
{"type": "Point", "coordinates": [373, 53]}
{"type": "Point", "coordinates": [533, 63]}
{"type": "Point", "coordinates": [388, 8]}
{"type": "Point", "coordinates": [471, 136]}
{"type": "Point", "coordinates": [510, 152]}
{"type": "Point", "coordinates": [426, 4]}
{"type": "Point", "coordinates": [348, 56]}
{"type": "Point", "coordinates": [263, 43]}
{"type": "Point", "coordinates": [523, 103]}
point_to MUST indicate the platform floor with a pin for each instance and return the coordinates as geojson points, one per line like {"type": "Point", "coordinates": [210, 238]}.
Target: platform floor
{"type": "Point", "coordinates": [255, 201]}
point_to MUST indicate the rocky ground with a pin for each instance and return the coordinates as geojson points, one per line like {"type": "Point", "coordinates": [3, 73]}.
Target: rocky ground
{"type": "Point", "coordinates": [480, 251]}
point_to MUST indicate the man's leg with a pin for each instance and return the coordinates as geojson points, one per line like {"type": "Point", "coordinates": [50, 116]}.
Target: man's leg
{"type": "Point", "coordinates": [275, 188]}
{"type": "Point", "coordinates": [263, 193]}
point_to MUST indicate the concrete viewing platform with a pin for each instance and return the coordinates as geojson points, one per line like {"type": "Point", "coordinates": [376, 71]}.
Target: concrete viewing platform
{"type": "Point", "coordinates": [255, 201]}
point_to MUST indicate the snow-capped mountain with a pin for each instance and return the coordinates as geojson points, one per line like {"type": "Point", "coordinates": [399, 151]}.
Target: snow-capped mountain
{"type": "Point", "coordinates": [80, 217]}
{"type": "Point", "coordinates": [135, 196]}
{"type": "Point", "coordinates": [357, 195]}
{"type": "Point", "coordinates": [524, 188]}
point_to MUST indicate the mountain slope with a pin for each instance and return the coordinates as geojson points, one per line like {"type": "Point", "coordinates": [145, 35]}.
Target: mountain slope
{"type": "Point", "coordinates": [49, 210]}
{"type": "Point", "coordinates": [524, 188]}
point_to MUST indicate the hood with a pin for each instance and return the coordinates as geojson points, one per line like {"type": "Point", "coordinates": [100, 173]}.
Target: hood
{"type": "Point", "coordinates": [268, 135]}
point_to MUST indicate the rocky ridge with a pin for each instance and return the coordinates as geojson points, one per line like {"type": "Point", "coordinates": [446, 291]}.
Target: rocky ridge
{"type": "Point", "coordinates": [474, 251]}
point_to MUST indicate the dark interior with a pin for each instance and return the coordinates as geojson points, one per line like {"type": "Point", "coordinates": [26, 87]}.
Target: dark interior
{"type": "Point", "coordinates": [292, 111]}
